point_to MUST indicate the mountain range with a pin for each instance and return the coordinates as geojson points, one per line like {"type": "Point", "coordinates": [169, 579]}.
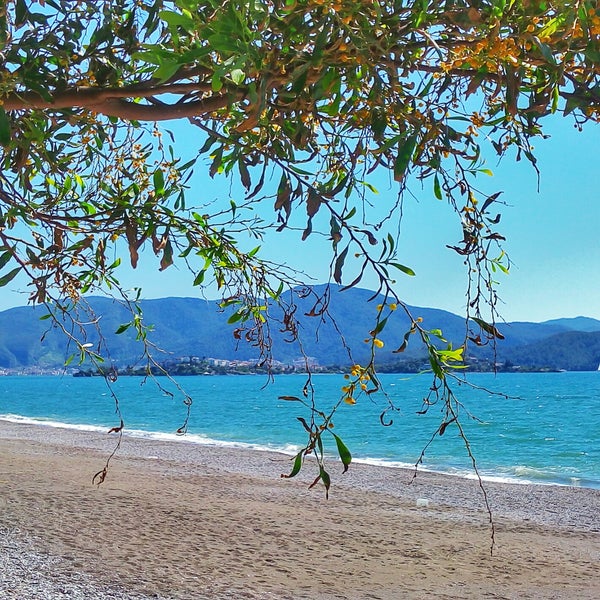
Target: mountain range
{"type": "Point", "coordinates": [186, 327]}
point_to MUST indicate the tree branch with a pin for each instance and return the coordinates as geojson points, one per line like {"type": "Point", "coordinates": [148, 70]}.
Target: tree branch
{"type": "Point", "coordinates": [113, 102]}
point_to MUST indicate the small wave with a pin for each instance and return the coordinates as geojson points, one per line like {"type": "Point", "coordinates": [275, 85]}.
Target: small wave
{"type": "Point", "coordinates": [499, 479]}
{"type": "Point", "coordinates": [517, 474]}
{"type": "Point", "coordinates": [45, 422]}
{"type": "Point", "coordinates": [202, 440]}
{"type": "Point", "coordinates": [532, 472]}
{"type": "Point", "coordinates": [454, 472]}
{"type": "Point", "coordinates": [190, 438]}
{"type": "Point", "coordinates": [384, 462]}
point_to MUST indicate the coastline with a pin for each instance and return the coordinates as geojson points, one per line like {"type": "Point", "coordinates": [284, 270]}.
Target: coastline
{"type": "Point", "coordinates": [181, 520]}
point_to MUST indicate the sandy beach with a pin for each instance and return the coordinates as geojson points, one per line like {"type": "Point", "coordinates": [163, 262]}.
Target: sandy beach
{"type": "Point", "coordinates": [178, 520]}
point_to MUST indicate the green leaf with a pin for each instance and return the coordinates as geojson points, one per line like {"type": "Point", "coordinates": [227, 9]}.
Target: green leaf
{"type": "Point", "coordinates": [405, 152]}
{"type": "Point", "coordinates": [4, 258]}
{"type": "Point", "coordinates": [235, 317]}
{"type": "Point", "coordinates": [339, 263]}
{"type": "Point", "coordinates": [210, 141]}
{"type": "Point", "coordinates": [324, 475]}
{"type": "Point", "coordinates": [4, 128]}
{"type": "Point", "coordinates": [216, 82]}
{"type": "Point", "coordinates": [343, 451]}
{"type": "Point", "coordinates": [21, 11]}
{"type": "Point", "coordinates": [9, 276]}
{"type": "Point", "coordinates": [238, 76]}
{"type": "Point", "coordinates": [166, 71]}
{"type": "Point", "coordinates": [199, 278]}
{"type": "Point", "coordinates": [438, 334]}
{"type": "Point", "coordinates": [403, 268]}
{"type": "Point", "coordinates": [436, 368]}
{"type": "Point", "coordinates": [545, 50]}
{"type": "Point", "coordinates": [217, 159]}
{"type": "Point", "coordinates": [159, 182]}
{"type": "Point", "coordinates": [379, 327]}
{"type": "Point", "coordinates": [175, 20]}
{"type": "Point", "coordinates": [122, 328]}
{"type": "Point", "coordinates": [437, 188]}
{"type": "Point", "coordinates": [297, 466]}
{"type": "Point", "coordinates": [451, 355]}
{"type": "Point", "coordinates": [284, 192]}
{"type": "Point", "coordinates": [369, 186]}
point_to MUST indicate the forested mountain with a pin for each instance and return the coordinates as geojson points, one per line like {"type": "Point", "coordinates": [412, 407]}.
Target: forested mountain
{"type": "Point", "coordinates": [185, 327]}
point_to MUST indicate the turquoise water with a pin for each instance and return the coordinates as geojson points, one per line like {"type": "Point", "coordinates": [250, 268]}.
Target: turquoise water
{"type": "Point", "coordinates": [547, 432]}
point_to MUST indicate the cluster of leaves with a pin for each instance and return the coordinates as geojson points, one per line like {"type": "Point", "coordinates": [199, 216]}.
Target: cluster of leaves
{"type": "Point", "coordinates": [301, 101]}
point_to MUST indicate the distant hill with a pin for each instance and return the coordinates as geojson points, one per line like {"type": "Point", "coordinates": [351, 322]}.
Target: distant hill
{"type": "Point", "coordinates": [572, 351]}
{"type": "Point", "coordinates": [577, 324]}
{"type": "Point", "coordinates": [186, 327]}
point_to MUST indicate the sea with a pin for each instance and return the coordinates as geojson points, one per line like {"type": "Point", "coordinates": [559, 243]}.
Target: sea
{"type": "Point", "coordinates": [541, 428]}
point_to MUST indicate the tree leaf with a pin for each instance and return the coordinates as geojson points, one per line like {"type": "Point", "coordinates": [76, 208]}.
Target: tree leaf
{"type": "Point", "coordinates": [488, 328]}
{"type": "Point", "coordinates": [122, 328]}
{"type": "Point", "coordinates": [313, 203]}
{"type": "Point", "coordinates": [326, 479]}
{"type": "Point", "coordinates": [379, 327]}
{"type": "Point", "coordinates": [343, 451]}
{"type": "Point", "coordinates": [444, 426]}
{"type": "Point", "coordinates": [4, 258]}
{"type": "Point", "coordinates": [9, 276]}
{"type": "Point", "coordinates": [403, 268]}
{"type": "Point", "coordinates": [437, 189]}
{"type": "Point", "coordinates": [165, 71]}
{"type": "Point", "coordinates": [235, 317]}
{"type": "Point", "coordinates": [297, 466]}
{"type": "Point", "coordinates": [167, 257]}
{"type": "Point", "coordinates": [244, 174]}
{"type": "Point", "coordinates": [404, 157]}
{"type": "Point", "coordinates": [5, 134]}
{"type": "Point", "coordinates": [159, 182]}
{"type": "Point", "coordinates": [177, 19]}
{"type": "Point", "coordinates": [238, 76]}
{"type": "Point", "coordinates": [339, 264]}
{"type": "Point", "coordinates": [284, 191]}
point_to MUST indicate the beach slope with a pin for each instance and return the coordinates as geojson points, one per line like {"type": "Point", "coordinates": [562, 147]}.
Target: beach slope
{"type": "Point", "coordinates": [179, 520]}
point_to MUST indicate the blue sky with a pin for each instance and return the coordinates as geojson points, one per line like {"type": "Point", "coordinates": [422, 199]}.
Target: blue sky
{"type": "Point", "coordinates": [552, 237]}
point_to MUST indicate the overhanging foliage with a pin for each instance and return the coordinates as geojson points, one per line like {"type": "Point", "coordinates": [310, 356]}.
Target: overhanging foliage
{"type": "Point", "coordinates": [301, 101]}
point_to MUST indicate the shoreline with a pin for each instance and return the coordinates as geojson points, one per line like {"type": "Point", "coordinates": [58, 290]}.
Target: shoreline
{"type": "Point", "coordinates": [181, 520]}
{"type": "Point", "coordinates": [163, 437]}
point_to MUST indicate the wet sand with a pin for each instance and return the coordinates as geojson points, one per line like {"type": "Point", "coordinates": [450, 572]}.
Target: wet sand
{"type": "Point", "coordinates": [179, 520]}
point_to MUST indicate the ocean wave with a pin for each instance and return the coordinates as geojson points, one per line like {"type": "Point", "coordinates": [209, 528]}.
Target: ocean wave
{"type": "Point", "coordinates": [189, 438]}
{"type": "Point", "coordinates": [514, 474]}
{"type": "Point", "coordinates": [203, 440]}
{"type": "Point", "coordinates": [47, 422]}
{"type": "Point", "coordinates": [384, 462]}
{"type": "Point", "coordinates": [521, 475]}
{"type": "Point", "coordinates": [450, 471]}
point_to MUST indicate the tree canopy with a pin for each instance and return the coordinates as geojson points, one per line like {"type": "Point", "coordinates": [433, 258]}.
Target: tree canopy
{"type": "Point", "coordinates": [302, 102]}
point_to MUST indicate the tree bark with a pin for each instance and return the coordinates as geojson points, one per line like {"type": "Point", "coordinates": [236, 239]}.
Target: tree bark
{"type": "Point", "coordinates": [117, 102]}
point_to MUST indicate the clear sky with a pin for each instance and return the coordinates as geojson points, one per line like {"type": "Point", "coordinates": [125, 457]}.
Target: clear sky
{"type": "Point", "coordinates": [552, 236]}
